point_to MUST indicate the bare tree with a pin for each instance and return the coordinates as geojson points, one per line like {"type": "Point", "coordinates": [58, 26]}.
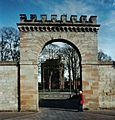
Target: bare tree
{"type": "Point", "coordinates": [103, 57]}
{"type": "Point", "coordinates": [9, 44]}
{"type": "Point", "coordinates": [72, 63]}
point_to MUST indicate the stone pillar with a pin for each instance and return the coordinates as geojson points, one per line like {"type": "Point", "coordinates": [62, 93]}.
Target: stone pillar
{"type": "Point", "coordinates": [90, 81]}
{"type": "Point", "coordinates": [28, 87]}
{"type": "Point", "coordinates": [28, 74]}
{"type": "Point", "coordinates": [90, 73]}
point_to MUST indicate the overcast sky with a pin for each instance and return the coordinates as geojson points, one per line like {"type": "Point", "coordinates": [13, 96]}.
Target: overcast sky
{"type": "Point", "coordinates": [103, 9]}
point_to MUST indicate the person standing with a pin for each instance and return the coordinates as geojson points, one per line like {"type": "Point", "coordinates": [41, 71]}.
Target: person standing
{"type": "Point", "coordinates": [81, 102]}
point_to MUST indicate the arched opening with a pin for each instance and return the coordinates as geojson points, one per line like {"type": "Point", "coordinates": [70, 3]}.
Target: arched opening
{"type": "Point", "coordinates": [61, 74]}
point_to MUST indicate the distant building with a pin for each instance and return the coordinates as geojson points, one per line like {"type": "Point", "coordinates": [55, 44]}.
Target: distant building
{"type": "Point", "coordinates": [52, 74]}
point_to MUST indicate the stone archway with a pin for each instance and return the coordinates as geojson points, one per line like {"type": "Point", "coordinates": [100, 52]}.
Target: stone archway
{"type": "Point", "coordinates": [34, 34]}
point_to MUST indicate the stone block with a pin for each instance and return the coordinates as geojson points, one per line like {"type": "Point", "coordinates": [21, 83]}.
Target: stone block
{"type": "Point", "coordinates": [43, 18]}
{"type": "Point", "coordinates": [54, 18]}
{"type": "Point", "coordinates": [73, 18]}
{"type": "Point", "coordinates": [83, 19]}
{"type": "Point", "coordinates": [88, 92]}
{"type": "Point", "coordinates": [64, 18]}
{"type": "Point", "coordinates": [85, 83]}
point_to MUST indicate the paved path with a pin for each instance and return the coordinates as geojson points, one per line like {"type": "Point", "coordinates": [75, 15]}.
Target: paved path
{"type": "Point", "coordinates": [58, 114]}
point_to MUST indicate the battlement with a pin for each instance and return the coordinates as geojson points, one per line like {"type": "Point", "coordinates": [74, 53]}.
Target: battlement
{"type": "Point", "coordinates": [54, 24]}
{"type": "Point", "coordinates": [63, 19]}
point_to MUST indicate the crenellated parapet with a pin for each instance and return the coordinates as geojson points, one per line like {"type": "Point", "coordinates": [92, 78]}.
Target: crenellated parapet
{"type": "Point", "coordinates": [58, 25]}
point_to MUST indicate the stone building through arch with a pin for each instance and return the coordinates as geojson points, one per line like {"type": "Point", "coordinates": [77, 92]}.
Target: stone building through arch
{"type": "Point", "coordinates": [76, 84]}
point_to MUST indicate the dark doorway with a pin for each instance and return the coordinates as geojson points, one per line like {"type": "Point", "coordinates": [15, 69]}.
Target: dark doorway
{"type": "Point", "coordinates": [60, 82]}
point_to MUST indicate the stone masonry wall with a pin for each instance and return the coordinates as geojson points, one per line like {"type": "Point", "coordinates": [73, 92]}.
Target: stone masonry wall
{"type": "Point", "coordinates": [106, 85]}
{"type": "Point", "coordinates": [8, 86]}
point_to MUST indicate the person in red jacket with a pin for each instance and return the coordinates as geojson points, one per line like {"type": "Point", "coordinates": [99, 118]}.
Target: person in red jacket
{"type": "Point", "coordinates": [81, 102]}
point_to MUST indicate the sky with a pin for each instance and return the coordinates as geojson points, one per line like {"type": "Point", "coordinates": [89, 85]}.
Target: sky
{"type": "Point", "coordinates": [103, 9]}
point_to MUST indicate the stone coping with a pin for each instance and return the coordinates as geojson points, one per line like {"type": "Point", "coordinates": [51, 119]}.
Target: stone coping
{"type": "Point", "coordinates": [8, 63]}
{"type": "Point", "coordinates": [100, 63]}
{"type": "Point", "coordinates": [15, 63]}
{"type": "Point", "coordinates": [106, 63]}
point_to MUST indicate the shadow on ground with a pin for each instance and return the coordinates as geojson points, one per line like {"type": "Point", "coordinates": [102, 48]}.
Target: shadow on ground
{"type": "Point", "coordinates": [70, 103]}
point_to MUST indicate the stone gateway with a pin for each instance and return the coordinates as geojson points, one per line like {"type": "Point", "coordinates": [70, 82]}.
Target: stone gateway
{"type": "Point", "coordinates": [35, 34]}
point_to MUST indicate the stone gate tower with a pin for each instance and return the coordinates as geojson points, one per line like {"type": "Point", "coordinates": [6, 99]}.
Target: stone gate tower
{"type": "Point", "coordinates": [35, 34]}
